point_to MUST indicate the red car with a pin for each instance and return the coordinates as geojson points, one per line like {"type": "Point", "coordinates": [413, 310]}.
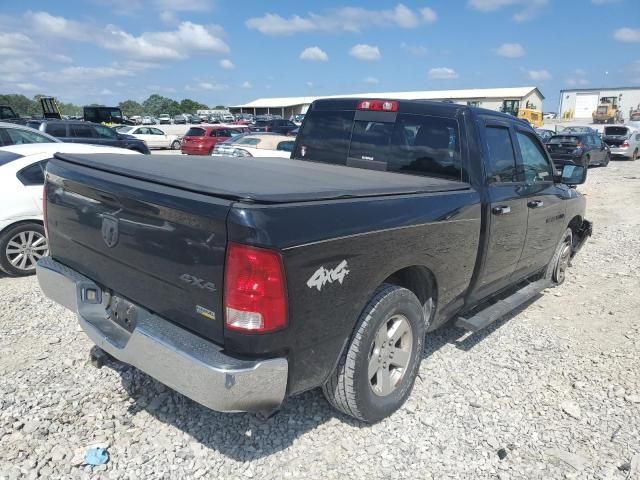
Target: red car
{"type": "Point", "coordinates": [201, 140]}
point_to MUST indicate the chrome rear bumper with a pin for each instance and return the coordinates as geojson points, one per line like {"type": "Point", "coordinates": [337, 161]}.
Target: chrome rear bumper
{"type": "Point", "coordinates": [174, 356]}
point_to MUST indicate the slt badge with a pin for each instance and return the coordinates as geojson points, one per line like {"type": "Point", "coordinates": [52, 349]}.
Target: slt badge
{"type": "Point", "coordinates": [322, 276]}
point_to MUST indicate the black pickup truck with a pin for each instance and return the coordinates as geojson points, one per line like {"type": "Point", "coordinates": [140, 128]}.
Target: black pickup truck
{"type": "Point", "coordinates": [239, 282]}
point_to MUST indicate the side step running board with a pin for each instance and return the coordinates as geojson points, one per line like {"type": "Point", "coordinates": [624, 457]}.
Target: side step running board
{"type": "Point", "coordinates": [502, 307]}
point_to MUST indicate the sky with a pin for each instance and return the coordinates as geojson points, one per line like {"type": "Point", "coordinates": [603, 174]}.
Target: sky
{"type": "Point", "coordinates": [221, 52]}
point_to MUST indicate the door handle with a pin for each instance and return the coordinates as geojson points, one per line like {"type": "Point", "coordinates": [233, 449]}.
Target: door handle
{"type": "Point", "coordinates": [501, 210]}
{"type": "Point", "coordinates": [535, 204]}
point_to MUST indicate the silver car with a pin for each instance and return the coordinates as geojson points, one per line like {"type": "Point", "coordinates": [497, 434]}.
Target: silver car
{"type": "Point", "coordinates": [623, 140]}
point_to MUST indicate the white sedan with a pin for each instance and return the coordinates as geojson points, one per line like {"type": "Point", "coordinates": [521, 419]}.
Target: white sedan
{"type": "Point", "coordinates": [153, 137]}
{"type": "Point", "coordinates": [255, 145]}
{"type": "Point", "coordinates": [22, 238]}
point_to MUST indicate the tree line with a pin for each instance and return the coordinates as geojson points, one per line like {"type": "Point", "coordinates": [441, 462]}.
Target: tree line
{"type": "Point", "coordinates": [154, 106]}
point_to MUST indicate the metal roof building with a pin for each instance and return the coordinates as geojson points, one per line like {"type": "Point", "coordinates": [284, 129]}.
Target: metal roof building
{"type": "Point", "coordinates": [505, 99]}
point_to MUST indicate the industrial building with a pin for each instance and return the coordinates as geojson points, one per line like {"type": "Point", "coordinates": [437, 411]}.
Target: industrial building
{"type": "Point", "coordinates": [580, 103]}
{"type": "Point", "coordinates": [499, 99]}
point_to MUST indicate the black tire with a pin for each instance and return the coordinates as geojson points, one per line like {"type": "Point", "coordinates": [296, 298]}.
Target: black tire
{"type": "Point", "coordinates": [606, 160]}
{"type": "Point", "coordinates": [348, 388]}
{"type": "Point", "coordinates": [587, 161]}
{"type": "Point", "coordinates": [635, 155]}
{"type": "Point", "coordinates": [5, 248]}
{"type": "Point", "coordinates": [556, 272]}
{"type": "Point", "coordinates": [175, 145]}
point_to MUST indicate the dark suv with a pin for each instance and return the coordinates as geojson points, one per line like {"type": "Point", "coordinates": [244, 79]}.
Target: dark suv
{"type": "Point", "coordinates": [276, 126]}
{"type": "Point", "coordinates": [87, 132]}
{"type": "Point", "coordinates": [578, 148]}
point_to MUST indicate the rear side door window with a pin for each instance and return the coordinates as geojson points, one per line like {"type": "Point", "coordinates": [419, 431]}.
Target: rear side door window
{"type": "Point", "coordinates": [105, 132]}
{"type": "Point", "coordinates": [57, 129]}
{"type": "Point", "coordinates": [82, 131]}
{"type": "Point", "coordinates": [501, 164]}
{"type": "Point", "coordinates": [535, 166]}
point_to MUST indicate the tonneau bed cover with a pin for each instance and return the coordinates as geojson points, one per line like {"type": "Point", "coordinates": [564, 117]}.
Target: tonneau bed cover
{"type": "Point", "coordinates": [262, 180]}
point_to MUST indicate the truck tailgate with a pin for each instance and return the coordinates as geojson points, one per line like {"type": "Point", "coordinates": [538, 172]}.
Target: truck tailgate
{"type": "Point", "coordinates": [158, 246]}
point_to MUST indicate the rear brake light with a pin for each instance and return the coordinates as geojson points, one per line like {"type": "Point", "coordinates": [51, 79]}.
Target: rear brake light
{"type": "Point", "coordinates": [378, 105]}
{"type": "Point", "coordinates": [254, 290]}
{"type": "Point", "coordinates": [625, 144]}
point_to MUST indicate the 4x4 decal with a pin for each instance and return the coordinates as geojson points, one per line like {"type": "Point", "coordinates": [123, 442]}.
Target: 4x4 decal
{"type": "Point", "coordinates": [322, 276]}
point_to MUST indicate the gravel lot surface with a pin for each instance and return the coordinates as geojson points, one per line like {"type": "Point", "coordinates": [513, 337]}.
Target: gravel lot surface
{"type": "Point", "coordinates": [553, 391]}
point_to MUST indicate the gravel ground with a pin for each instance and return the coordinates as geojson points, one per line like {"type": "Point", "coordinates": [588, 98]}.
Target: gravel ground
{"type": "Point", "coordinates": [553, 391]}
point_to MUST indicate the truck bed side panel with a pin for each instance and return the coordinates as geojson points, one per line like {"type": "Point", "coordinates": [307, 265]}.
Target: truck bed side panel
{"type": "Point", "coordinates": [375, 238]}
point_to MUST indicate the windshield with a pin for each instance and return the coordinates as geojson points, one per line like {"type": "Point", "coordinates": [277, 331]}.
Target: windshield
{"type": "Point", "coordinates": [413, 144]}
{"type": "Point", "coordinates": [564, 139]}
{"type": "Point", "coordinates": [616, 131]}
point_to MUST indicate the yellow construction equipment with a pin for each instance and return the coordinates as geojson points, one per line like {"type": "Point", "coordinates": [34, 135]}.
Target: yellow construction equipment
{"type": "Point", "coordinates": [533, 116]}
{"type": "Point", "coordinates": [607, 111]}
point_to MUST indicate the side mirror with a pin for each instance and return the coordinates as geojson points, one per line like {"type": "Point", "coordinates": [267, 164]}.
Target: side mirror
{"type": "Point", "coordinates": [573, 175]}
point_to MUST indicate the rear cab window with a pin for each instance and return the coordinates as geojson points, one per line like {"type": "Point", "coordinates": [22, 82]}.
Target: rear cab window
{"type": "Point", "coordinates": [410, 144]}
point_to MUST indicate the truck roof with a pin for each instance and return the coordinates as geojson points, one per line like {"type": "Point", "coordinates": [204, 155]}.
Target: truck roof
{"type": "Point", "coordinates": [262, 180]}
{"type": "Point", "coordinates": [432, 107]}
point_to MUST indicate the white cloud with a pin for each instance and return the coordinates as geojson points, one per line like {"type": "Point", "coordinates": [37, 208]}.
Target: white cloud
{"type": "Point", "coordinates": [577, 79]}
{"type": "Point", "coordinates": [173, 45]}
{"type": "Point", "coordinates": [61, 58]}
{"type": "Point", "coordinates": [366, 53]}
{"type": "Point", "coordinates": [428, 15]}
{"type": "Point", "coordinates": [106, 91]}
{"type": "Point", "coordinates": [188, 38]}
{"type": "Point", "coordinates": [371, 81]}
{"type": "Point", "coordinates": [84, 74]}
{"type": "Point", "coordinates": [314, 54]}
{"type": "Point", "coordinates": [626, 34]}
{"type": "Point", "coordinates": [44, 23]}
{"type": "Point", "coordinates": [526, 9]}
{"type": "Point", "coordinates": [227, 64]}
{"type": "Point", "coordinates": [184, 6]}
{"type": "Point", "coordinates": [246, 84]}
{"type": "Point", "coordinates": [442, 73]}
{"type": "Point", "coordinates": [510, 50]}
{"type": "Point", "coordinates": [309, 84]}
{"type": "Point", "coordinates": [27, 87]}
{"type": "Point", "coordinates": [212, 86]}
{"type": "Point", "coordinates": [15, 43]}
{"type": "Point", "coordinates": [346, 19]}
{"type": "Point", "coordinates": [417, 50]}
{"type": "Point", "coordinates": [19, 66]}
{"type": "Point", "coordinates": [539, 75]}
{"type": "Point", "coordinates": [169, 17]}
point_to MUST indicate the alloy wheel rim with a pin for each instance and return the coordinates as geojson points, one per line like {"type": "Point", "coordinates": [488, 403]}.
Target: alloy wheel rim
{"type": "Point", "coordinates": [390, 355]}
{"type": "Point", "coordinates": [25, 249]}
{"type": "Point", "coordinates": [563, 263]}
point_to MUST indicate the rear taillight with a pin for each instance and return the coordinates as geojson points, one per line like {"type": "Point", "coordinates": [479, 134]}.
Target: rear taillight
{"type": "Point", "coordinates": [378, 105]}
{"type": "Point", "coordinates": [44, 209]}
{"type": "Point", "coordinates": [254, 290]}
{"type": "Point", "coordinates": [625, 144]}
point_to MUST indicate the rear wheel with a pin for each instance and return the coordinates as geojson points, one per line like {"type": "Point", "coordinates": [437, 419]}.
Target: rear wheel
{"type": "Point", "coordinates": [587, 160]}
{"type": "Point", "coordinates": [635, 155]}
{"type": "Point", "coordinates": [21, 247]}
{"type": "Point", "coordinates": [175, 145]}
{"type": "Point", "coordinates": [376, 373]}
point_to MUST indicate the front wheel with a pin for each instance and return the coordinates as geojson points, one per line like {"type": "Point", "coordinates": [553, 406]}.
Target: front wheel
{"type": "Point", "coordinates": [607, 160]}
{"type": "Point", "coordinates": [376, 373]}
{"type": "Point", "coordinates": [557, 268]}
{"type": "Point", "coordinates": [21, 247]}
